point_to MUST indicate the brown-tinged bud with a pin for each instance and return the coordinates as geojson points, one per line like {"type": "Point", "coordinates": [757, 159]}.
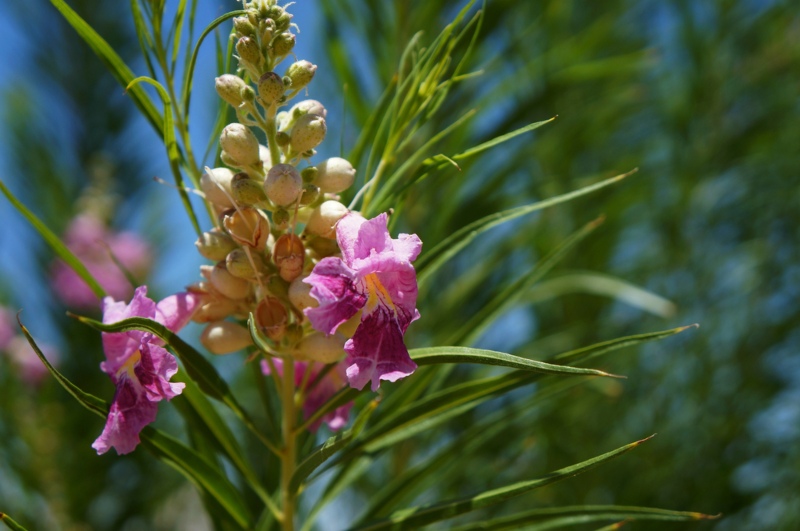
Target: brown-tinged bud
{"type": "Point", "coordinates": [247, 191]}
{"type": "Point", "coordinates": [270, 88]}
{"type": "Point", "coordinates": [335, 175]}
{"type": "Point", "coordinates": [213, 305]}
{"type": "Point", "coordinates": [216, 185]}
{"type": "Point", "coordinates": [215, 245]}
{"type": "Point", "coordinates": [225, 337]}
{"type": "Point", "coordinates": [283, 184]}
{"type": "Point", "coordinates": [249, 52]}
{"type": "Point", "coordinates": [301, 73]}
{"type": "Point", "coordinates": [229, 88]}
{"type": "Point", "coordinates": [271, 317]}
{"type": "Point", "coordinates": [241, 145]}
{"type": "Point", "coordinates": [309, 174]}
{"type": "Point", "coordinates": [311, 193]}
{"type": "Point", "coordinates": [243, 27]}
{"type": "Point", "coordinates": [321, 348]}
{"type": "Point", "coordinates": [308, 132]}
{"type": "Point", "coordinates": [283, 44]}
{"type": "Point", "coordinates": [324, 218]}
{"type": "Point", "coordinates": [289, 254]}
{"type": "Point", "coordinates": [227, 284]}
{"type": "Point", "coordinates": [240, 265]}
{"type": "Point", "coordinates": [248, 226]}
{"type": "Point", "coordinates": [300, 294]}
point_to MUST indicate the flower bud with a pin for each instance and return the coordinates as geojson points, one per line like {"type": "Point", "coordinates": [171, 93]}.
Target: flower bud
{"type": "Point", "coordinates": [229, 88]}
{"type": "Point", "coordinates": [216, 185]}
{"type": "Point", "coordinates": [249, 52]}
{"type": "Point", "coordinates": [283, 44]}
{"type": "Point", "coordinates": [243, 27]}
{"type": "Point", "coordinates": [240, 265]}
{"type": "Point", "coordinates": [283, 22]}
{"type": "Point", "coordinates": [247, 191]}
{"type": "Point", "coordinates": [282, 139]}
{"type": "Point", "coordinates": [300, 294]}
{"type": "Point", "coordinates": [310, 194]}
{"type": "Point", "coordinates": [322, 247]}
{"type": "Point", "coordinates": [308, 132]}
{"type": "Point", "coordinates": [271, 317]}
{"type": "Point", "coordinates": [225, 337]}
{"type": "Point", "coordinates": [241, 145]}
{"type": "Point", "coordinates": [289, 254]}
{"type": "Point", "coordinates": [283, 184]}
{"type": "Point", "coordinates": [277, 286]}
{"type": "Point", "coordinates": [309, 174]}
{"type": "Point", "coordinates": [213, 305]}
{"type": "Point", "coordinates": [319, 347]}
{"type": "Point", "coordinates": [301, 73]}
{"type": "Point", "coordinates": [281, 218]}
{"type": "Point", "coordinates": [270, 88]}
{"type": "Point", "coordinates": [227, 284]}
{"type": "Point", "coordinates": [215, 245]}
{"type": "Point", "coordinates": [335, 175]}
{"type": "Point", "coordinates": [324, 218]}
{"type": "Point", "coordinates": [248, 226]}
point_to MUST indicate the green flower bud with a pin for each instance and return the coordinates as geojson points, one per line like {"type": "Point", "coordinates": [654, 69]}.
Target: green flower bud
{"type": "Point", "coordinates": [215, 245]}
{"type": "Point", "coordinates": [310, 194]}
{"type": "Point", "coordinates": [249, 53]}
{"type": "Point", "coordinates": [240, 144]}
{"type": "Point", "coordinates": [225, 337]}
{"type": "Point", "coordinates": [335, 175]}
{"type": "Point", "coordinates": [216, 185]}
{"type": "Point", "coordinates": [301, 73]}
{"type": "Point", "coordinates": [243, 27]}
{"type": "Point", "coordinates": [229, 88]}
{"type": "Point", "coordinates": [321, 348]}
{"type": "Point", "coordinates": [247, 191]}
{"type": "Point", "coordinates": [270, 88]}
{"type": "Point", "coordinates": [282, 139]}
{"type": "Point", "coordinates": [283, 22]}
{"type": "Point", "coordinates": [240, 265]}
{"type": "Point", "coordinates": [308, 132]}
{"type": "Point", "coordinates": [309, 174]}
{"type": "Point", "coordinates": [324, 218]}
{"type": "Point", "coordinates": [283, 184]}
{"type": "Point", "coordinates": [281, 217]}
{"type": "Point", "coordinates": [283, 44]}
{"type": "Point", "coordinates": [248, 94]}
{"type": "Point", "coordinates": [277, 286]}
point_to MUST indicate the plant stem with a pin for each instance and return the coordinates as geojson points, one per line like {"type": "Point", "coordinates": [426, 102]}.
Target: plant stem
{"type": "Point", "coordinates": [271, 131]}
{"type": "Point", "coordinates": [289, 454]}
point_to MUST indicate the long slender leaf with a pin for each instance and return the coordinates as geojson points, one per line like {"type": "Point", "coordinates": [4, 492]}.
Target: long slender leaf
{"type": "Point", "coordinates": [113, 62]}
{"type": "Point", "coordinates": [55, 243]}
{"type": "Point", "coordinates": [11, 523]}
{"type": "Point", "coordinates": [414, 517]}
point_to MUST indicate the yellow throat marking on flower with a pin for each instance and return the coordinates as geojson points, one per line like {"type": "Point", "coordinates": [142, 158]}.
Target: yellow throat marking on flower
{"type": "Point", "coordinates": [377, 293]}
{"type": "Point", "coordinates": [130, 364]}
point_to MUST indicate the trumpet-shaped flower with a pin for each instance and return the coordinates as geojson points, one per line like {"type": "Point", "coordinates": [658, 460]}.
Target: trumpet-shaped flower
{"type": "Point", "coordinates": [374, 273]}
{"type": "Point", "coordinates": [139, 366]}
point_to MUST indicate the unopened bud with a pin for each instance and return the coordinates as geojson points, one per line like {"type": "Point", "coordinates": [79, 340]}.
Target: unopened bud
{"type": "Point", "coordinates": [335, 175]}
{"type": "Point", "coordinates": [215, 245]}
{"type": "Point", "coordinates": [225, 337]}
{"type": "Point", "coordinates": [213, 305]}
{"type": "Point", "coordinates": [249, 53]}
{"type": "Point", "coordinates": [271, 317]}
{"type": "Point", "coordinates": [308, 132]}
{"type": "Point", "coordinates": [282, 139]}
{"type": "Point", "coordinates": [281, 217]}
{"type": "Point", "coordinates": [300, 294]}
{"type": "Point", "coordinates": [229, 88]}
{"type": "Point", "coordinates": [309, 174]}
{"type": "Point", "coordinates": [227, 284]}
{"type": "Point", "coordinates": [216, 185]}
{"type": "Point", "coordinates": [243, 27]}
{"type": "Point", "coordinates": [240, 265]}
{"type": "Point", "coordinates": [294, 333]}
{"type": "Point", "coordinates": [289, 254]}
{"type": "Point", "coordinates": [270, 88]}
{"type": "Point", "coordinates": [283, 22]}
{"type": "Point", "coordinates": [248, 226]}
{"type": "Point", "coordinates": [301, 73]}
{"type": "Point", "coordinates": [321, 348]}
{"type": "Point", "coordinates": [324, 218]}
{"type": "Point", "coordinates": [283, 44]}
{"type": "Point", "coordinates": [277, 286]}
{"type": "Point", "coordinates": [247, 191]}
{"type": "Point", "coordinates": [283, 184]}
{"type": "Point", "coordinates": [310, 194]}
{"type": "Point", "coordinates": [248, 94]}
{"type": "Point", "coordinates": [241, 145]}
{"type": "Point", "coordinates": [322, 247]}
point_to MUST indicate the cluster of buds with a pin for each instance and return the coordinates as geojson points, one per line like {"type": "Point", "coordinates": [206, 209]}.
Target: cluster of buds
{"type": "Point", "coordinates": [276, 212]}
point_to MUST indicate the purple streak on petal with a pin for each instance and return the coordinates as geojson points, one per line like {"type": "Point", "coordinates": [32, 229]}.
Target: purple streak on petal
{"type": "Point", "coordinates": [176, 311]}
{"type": "Point", "coordinates": [332, 284]}
{"type": "Point", "coordinates": [154, 370]}
{"type": "Point", "coordinates": [347, 233]}
{"type": "Point", "coordinates": [376, 351]}
{"type": "Point", "coordinates": [129, 413]}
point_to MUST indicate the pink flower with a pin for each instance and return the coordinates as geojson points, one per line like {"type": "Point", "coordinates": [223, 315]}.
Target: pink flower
{"type": "Point", "coordinates": [318, 391]}
{"type": "Point", "coordinates": [374, 273]}
{"type": "Point", "coordinates": [139, 366]}
{"type": "Point", "coordinates": [89, 239]}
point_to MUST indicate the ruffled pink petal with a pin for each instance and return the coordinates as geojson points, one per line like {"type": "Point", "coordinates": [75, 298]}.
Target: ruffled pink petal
{"type": "Point", "coordinates": [129, 413]}
{"type": "Point", "coordinates": [373, 237]}
{"type": "Point", "coordinates": [333, 285]}
{"type": "Point", "coordinates": [347, 234]}
{"type": "Point", "coordinates": [376, 351]}
{"type": "Point", "coordinates": [176, 311]}
{"type": "Point", "coordinates": [407, 247]}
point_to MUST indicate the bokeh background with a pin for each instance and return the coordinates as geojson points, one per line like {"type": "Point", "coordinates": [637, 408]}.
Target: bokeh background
{"type": "Point", "coordinates": [702, 97]}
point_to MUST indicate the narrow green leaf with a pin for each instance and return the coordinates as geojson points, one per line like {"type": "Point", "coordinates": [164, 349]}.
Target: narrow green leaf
{"type": "Point", "coordinates": [176, 40]}
{"type": "Point", "coordinates": [598, 349]}
{"type": "Point", "coordinates": [113, 62]}
{"type": "Point", "coordinates": [471, 152]}
{"type": "Point", "coordinates": [143, 35]}
{"type": "Point", "coordinates": [458, 355]}
{"type": "Point", "coordinates": [572, 515]}
{"type": "Point", "coordinates": [345, 475]}
{"type": "Point", "coordinates": [343, 396]}
{"type": "Point", "coordinates": [429, 262]}
{"type": "Point", "coordinates": [414, 517]}
{"type": "Point", "coordinates": [10, 523]}
{"type": "Point", "coordinates": [55, 243]}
